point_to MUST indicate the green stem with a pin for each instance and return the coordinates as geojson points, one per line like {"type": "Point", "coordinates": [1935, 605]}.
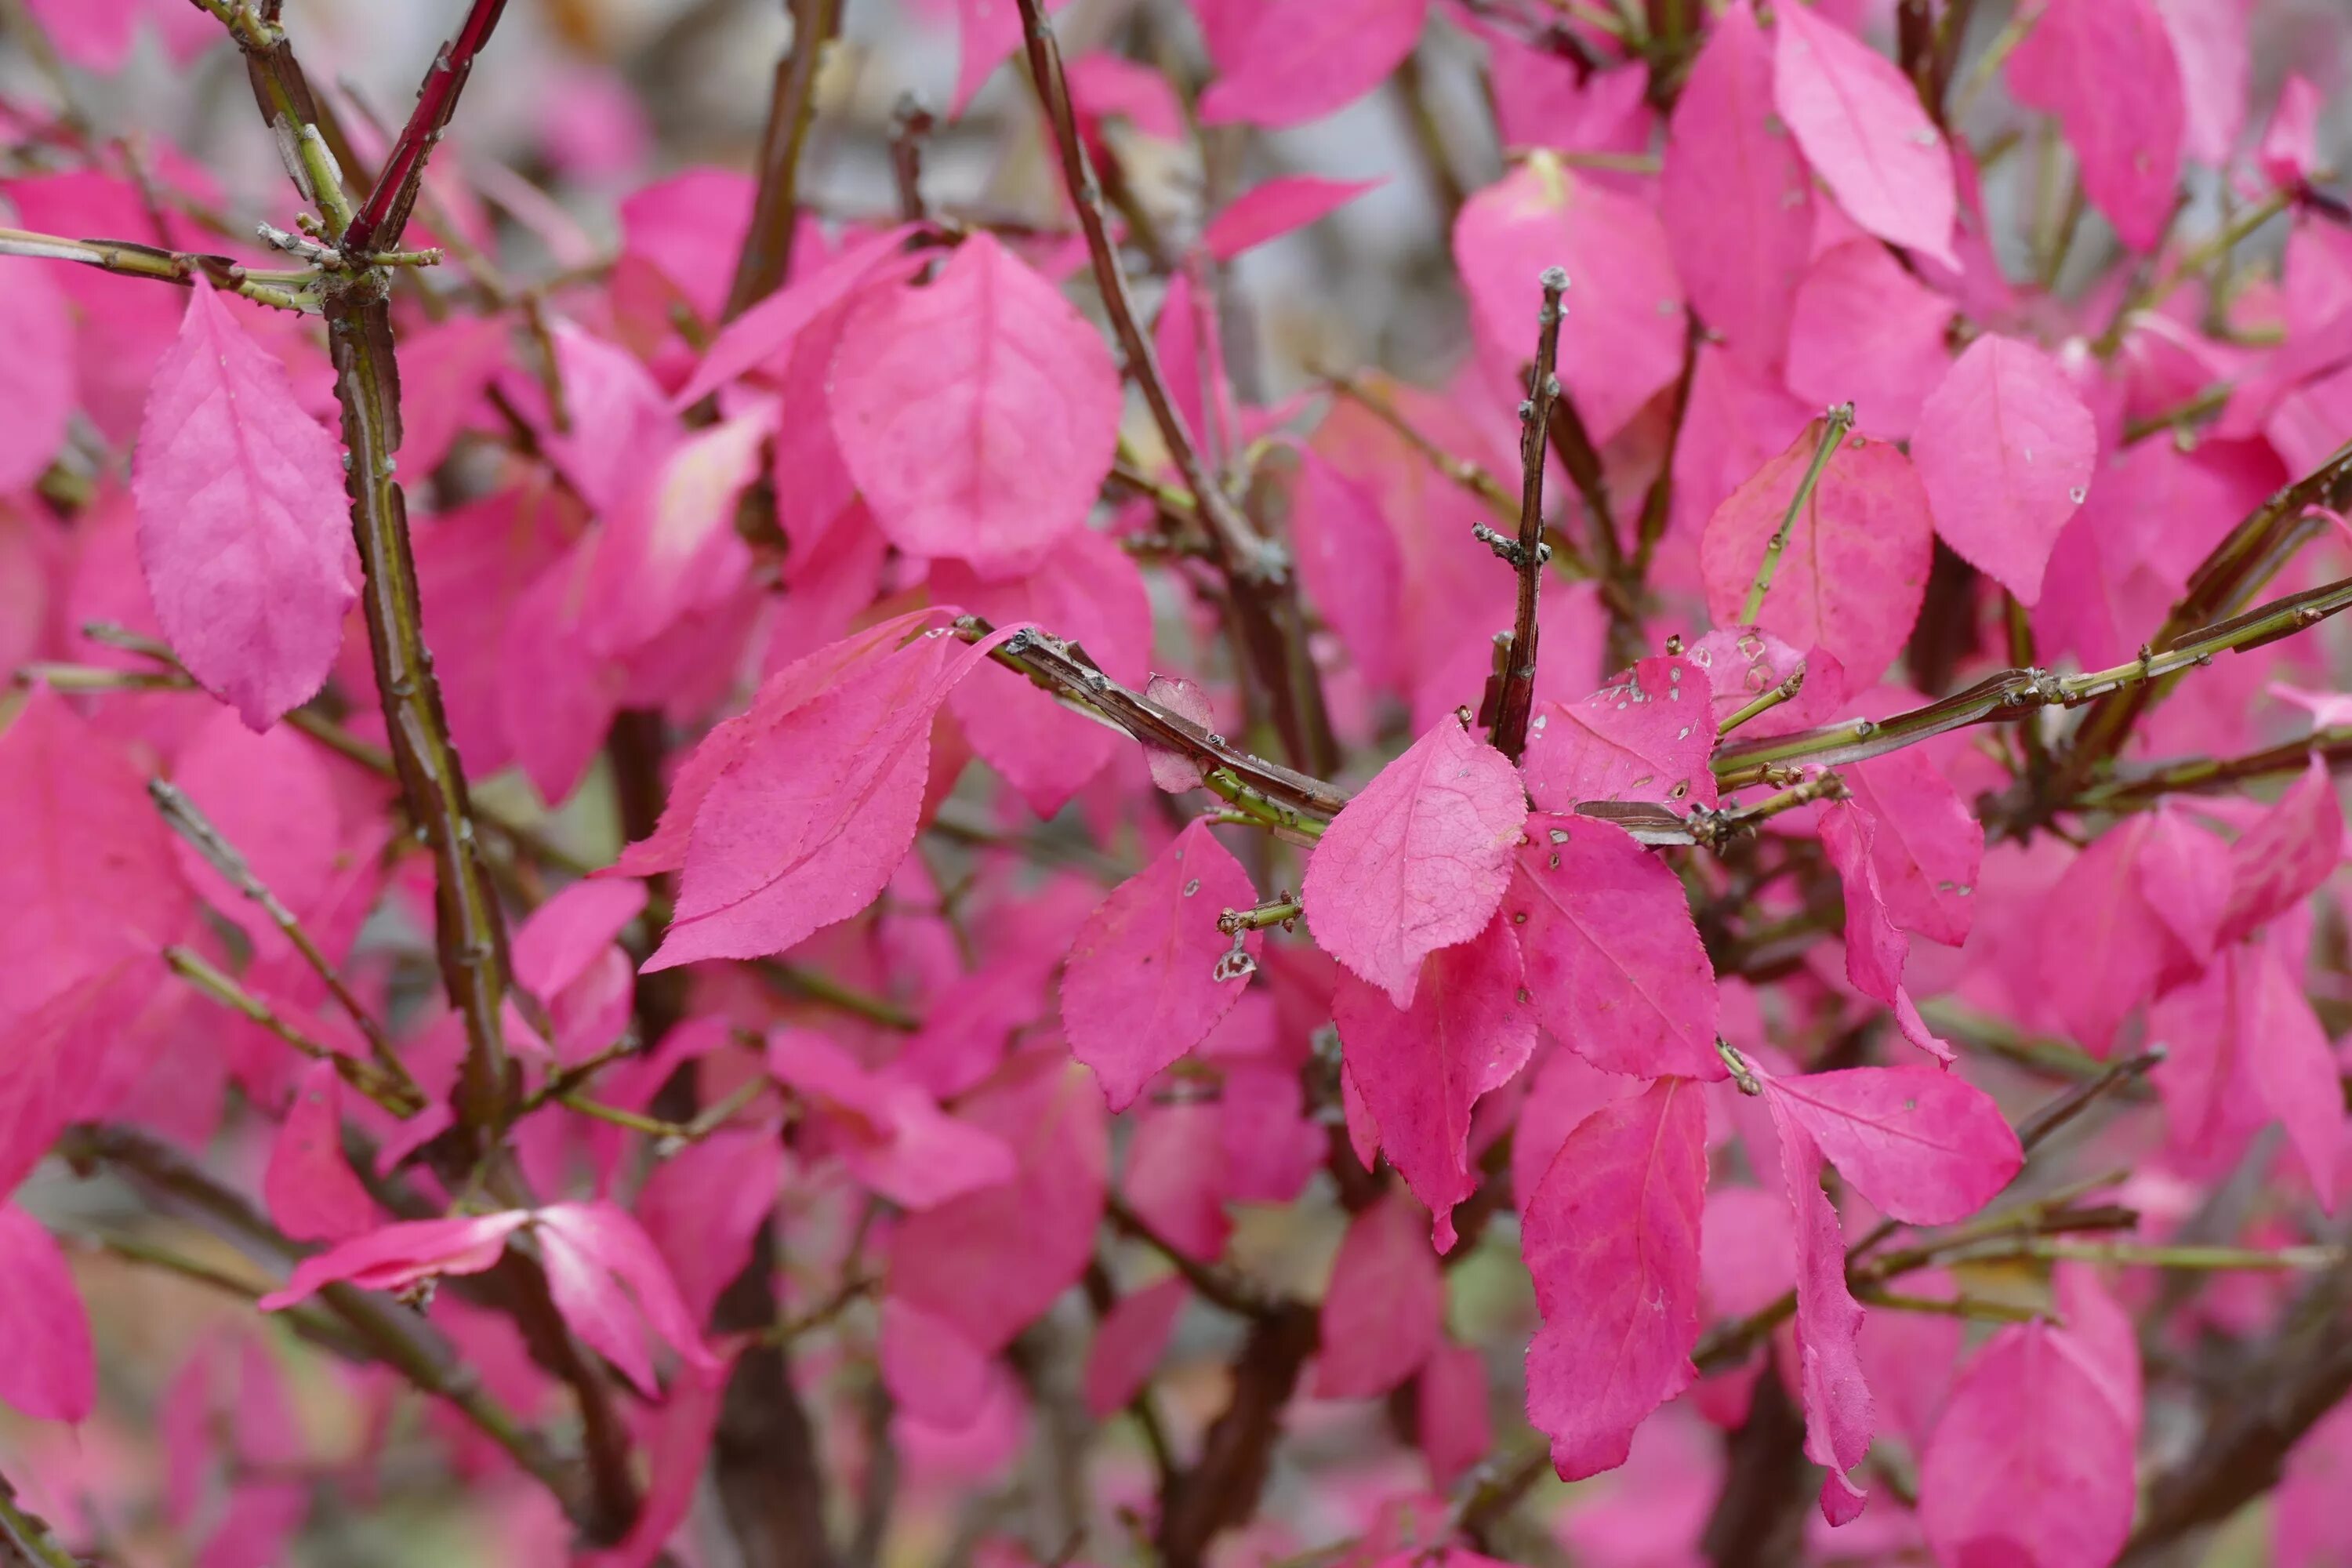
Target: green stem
{"type": "Point", "coordinates": [1835, 425]}
{"type": "Point", "coordinates": [181, 267]}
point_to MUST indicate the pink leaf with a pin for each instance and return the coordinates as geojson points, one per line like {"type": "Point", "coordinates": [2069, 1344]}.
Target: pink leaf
{"type": "Point", "coordinates": [444, 369]}
{"type": "Point", "coordinates": [1385, 1307]}
{"type": "Point", "coordinates": [1145, 981]}
{"type": "Point", "coordinates": [2209, 42]}
{"type": "Point", "coordinates": [2294, 1063]}
{"type": "Point", "coordinates": [770, 327]}
{"type": "Point", "coordinates": [1861, 127]}
{"type": "Point", "coordinates": [1838, 1416]}
{"type": "Point", "coordinates": [810, 820]}
{"type": "Point", "coordinates": [704, 1205]}
{"type": "Point", "coordinates": [1455, 1427]}
{"type": "Point", "coordinates": [1127, 1345]}
{"type": "Point", "coordinates": [2289, 154]}
{"type": "Point", "coordinates": [2031, 1465]}
{"type": "Point", "coordinates": [2184, 874]}
{"type": "Point", "coordinates": [979, 414]}
{"type": "Point", "coordinates": [986, 31]}
{"type": "Point", "coordinates": [599, 1261]}
{"type": "Point", "coordinates": [1350, 565]}
{"type": "Point", "coordinates": [565, 935]}
{"type": "Point", "coordinates": [679, 1441]}
{"type": "Point", "coordinates": [619, 420]}
{"type": "Point", "coordinates": [1735, 195]}
{"type": "Point", "coordinates": [1876, 952]}
{"type": "Point", "coordinates": [49, 1373]}
{"type": "Point", "coordinates": [1277, 207]}
{"type": "Point", "coordinates": [1302, 60]}
{"type": "Point", "coordinates": [2006, 451]}
{"type": "Point", "coordinates": [2103, 944]}
{"type": "Point", "coordinates": [993, 1260]}
{"type": "Point", "coordinates": [1614, 962]}
{"type": "Point", "coordinates": [1420, 1071]}
{"type": "Point", "coordinates": [894, 1137]}
{"type": "Point", "coordinates": [312, 1191]}
{"type": "Point", "coordinates": [1611, 1241]}
{"type": "Point", "coordinates": [1103, 85]}
{"type": "Point", "coordinates": [1855, 568]}
{"type": "Point", "coordinates": [2285, 857]}
{"type": "Point", "coordinates": [395, 1257]}
{"type": "Point", "coordinates": [1173, 770]}
{"type": "Point", "coordinates": [1868, 332]}
{"type": "Point", "coordinates": [1416, 862]}
{"type": "Point", "coordinates": [243, 531]}
{"type": "Point", "coordinates": [38, 386]}
{"type": "Point", "coordinates": [1621, 339]}
{"type": "Point", "coordinates": [1926, 847]}
{"type": "Point", "coordinates": [1924, 1146]}
{"type": "Point", "coordinates": [1639, 740]}
{"type": "Point", "coordinates": [2107, 69]}
{"type": "Point", "coordinates": [931, 1368]}
{"type": "Point", "coordinates": [270, 795]}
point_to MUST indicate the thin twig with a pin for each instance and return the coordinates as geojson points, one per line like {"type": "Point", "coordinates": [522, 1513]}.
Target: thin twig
{"type": "Point", "coordinates": [767, 255]}
{"type": "Point", "coordinates": [1515, 707]}
{"type": "Point", "coordinates": [1839, 420]}
{"type": "Point", "coordinates": [383, 217]}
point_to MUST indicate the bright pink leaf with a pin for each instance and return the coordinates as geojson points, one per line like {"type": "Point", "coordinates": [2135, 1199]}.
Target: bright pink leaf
{"type": "Point", "coordinates": [2209, 42]}
{"type": "Point", "coordinates": [1145, 981]}
{"type": "Point", "coordinates": [311, 1188]}
{"type": "Point", "coordinates": [1385, 1306]}
{"type": "Point", "coordinates": [2103, 946]}
{"type": "Point", "coordinates": [2293, 1062]}
{"type": "Point", "coordinates": [1452, 1424]}
{"type": "Point", "coordinates": [49, 1373]}
{"type": "Point", "coordinates": [1173, 770]}
{"type": "Point", "coordinates": [2107, 69]}
{"type": "Point", "coordinates": [38, 386]}
{"type": "Point", "coordinates": [931, 1368]}
{"type": "Point", "coordinates": [1275, 208]}
{"type": "Point", "coordinates": [978, 414]}
{"type": "Point", "coordinates": [1302, 60]}
{"type": "Point", "coordinates": [1836, 1400]}
{"type": "Point", "coordinates": [986, 31]}
{"type": "Point", "coordinates": [618, 420]}
{"type": "Point", "coordinates": [1866, 331]}
{"type": "Point", "coordinates": [770, 327]}
{"type": "Point", "coordinates": [600, 1264]}
{"type": "Point", "coordinates": [2006, 451]}
{"type": "Point", "coordinates": [2032, 1464]}
{"type": "Point", "coordinates": [1103, 85]}
{"type": "Point", "coordinates": [1350, 565]}
{"type": "Point", "coordinates": [2289, 154]}
{"type": "Point", "coordinates": [1127, 1345]}
{"type": "Point", "coordinates": [564, 935]}
{"type": "Point", "coordinates": [270, 795]}
{"type": "Point", "coordinates": [679, 1442]}
{"type": "Point", "coordinates": [1611, 1241]}
{"type": "Point", "coordinates": [2310, 1527]}
{"type": "Point", "coordinates": [1924, 1146]}
{"type": "Point", "coordinates": [1622, 339]}
{"type": "Point", "coordinates": [2184, 874]}
{"type": "Point", "coordinates": [1736, 197]}
{"type": "Point", "coordinates": [243, 528]}
{"type": "Point", "coordinates": [444, 369]}
{"type": "Point", "coordinates": [2285, 857]}
{"type": "Point", "coordinates": [395, 1257]}
{"type": "Point", "coordinates": [891, 1133]}
{"type": "Point", "coordinates": [1417, 861]}
{"type": "Point", "coordinates": [1639, 740]}
{"type": "Point", "coordinates": [1859, 126]}
{"type": "Point", "coordinates": [1420, 1071]}
{"type": "Point", "coordinates": [1614, 962]}
{"type": "Point", "coordinates": [1855, 567]}
{"type": "Point", "coordinates": [810, 820]}
{"type": "Point", "coordinates": [1875, 951]}
{"type": "Point", "coordinates": [704, 1205]}
{"type": "Point", "coordinates": [1926, 845]}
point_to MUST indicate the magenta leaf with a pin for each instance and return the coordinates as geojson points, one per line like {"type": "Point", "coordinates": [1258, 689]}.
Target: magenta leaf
{"type": "Point", "coordinates": [2285, 857]}
{"type": "Point", "coordinates": [39, 387]}
{"type": "Point", "coordinates": [1876, 952]}
{"type": "Point", "coordinates": [979, 414]}
{"type": "Point", "coordinates": [2032, 1464]}
{"type": "Point", "coordinates": [243, 531]}
{"type": "Point", "coordinates": [2006, 451]}
{"type": "Point", "coordinates": [1171, 770]}
{"type": "Point", "coordinates": [2293, 1062]}
{"type": "Point", "coordinates": [1349, 563]}
{"type": "Point", "coordinates": [1926, 845]}
{"type": "Point", "coordinates": [1277, 207]}
{"type": "Point", "coordinates": [1418, 860]}
{"type": "Point", "coordinates": [1735, 195]}
{"type": "Point", "coordinates": [1613, 964]}
{"type": "Point", "coordinates": [395, 1257]}
{"type": "Point", "coordinates": [1385, 1307]}
{"type": "Point", "coordinates": [769, 328]}
{"type": "Point", "coordinates": [1420, 1070]}
{"type": "Point", "coordinates": [890, 1132]}
{"type": "Point", "coordinates": [1855, 566]}
{"type": "Point", "coordinates": [1861, 127]}
{"type": "Point", "coordinates": [2107, 69]}
{"type": "Point", "coordinates": [1145, 982]}
{"type": "Point", "coordinates": [1924, 1146]}
{"type": "Point", "coordinates": [1128, 1344]}
{"type": "Point", "coordinates": [311, 1188]}
{"type": "Point", "coordinates": [49, 1373]}
{"type": "Point", "coordinates": [601, 1266]}
{"type": "Point", "coordinates": [1302, 60]}
{"type": "Point", "coordinates": [1646, 738]}
{"type": "Point", "coordinates": [1611, 1240]}
{"type": "Point", "coordinates": [1836, 1400]}
{"type": "Point", "coordinates": [1867, 331]}
{"type": "Point", "coordinates": [806, 825]}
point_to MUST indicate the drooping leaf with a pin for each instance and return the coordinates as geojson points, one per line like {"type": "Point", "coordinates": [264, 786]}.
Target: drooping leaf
{"type": "Point", "coordinates": [1875, 951]}
{"type": "Point", "coordinates": [1926, 847]}
{"type": "Point", "coordinates": [1416, 862]}
{"type": "Point", "coordinates": [243, 529]}
{"type": "Point", "coordinates": [612, 1287]}
{"type": "Point", "coordinates": [1861, 127]}
{"type": "Point", "coordinates": [1613, 964]}
{"type": "Point", "coordinates": [889, 1131]}
{"type": "Point", "coordinates": [311, 1188]}
{"type": "Point", "coordinates": [1455, 1427]}
{"type": "Point", "coordinates": [49, 1373]}
{"type": "Point", "coordinates": [1611, 1241]}
{"type": "Point", "coordinates": [39, 384]}
{"type": "Point", "coordinates": [1128, 1344]}
{"type": "Point", "coordinates": [1641, 738]}
{"type": "Point", "coordinates": [978, 414]}
{"type": "Point", "coordinates": [1384, 1308]}
{"type": "Point", "coordinates": [2103, 946]}
{"type": "Point", "coordinates": [1924, 1146]}
{"type": "Point", "coordinates": [1302, 60]}
{"type": "Point", "coordinates": [770, 327]}
{"type": "Point", "coordinates": [1143, 984]}
{"type": "Point", "coordinates": [1836, 1400]}
{"type": "Point", "coordinates": [1854, 570]}
{"type": "Point", "coordinates": [1277, 207]}
{"type": "Point", "coordinates": [1420, 1070]}
{"type": "Point", "coordinates": [398, 1256]}
{"type": "Point", "coordinates": [2293, 1062]}
{"type": "Point", "coordinates": [2286, 855]}
{"type": "Point", "coordinates": [2006, 451]}
{"type": "Point", "coordinates": [1736, 197]}
{"type": "Point", "coordinates": [2107, 69]}
{"type": "Point", "coordinates": [1350, 565]}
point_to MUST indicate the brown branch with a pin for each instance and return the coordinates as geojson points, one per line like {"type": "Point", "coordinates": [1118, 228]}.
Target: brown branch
{"type": "Point", "coordinates": [2137, 792]}
{"type": "Point", "coordinates": [767, 254]}
{"type": "Point", "coordinates": [1515, 701]}
{"type": "Point", "coordinates": [382, 218]}
{"type": "Point", "coordinates": [1758, 1519]}
{"type": "Point", "coordinates": [765, 1460]}
{"type": "Point", "coordinates": [1222, 1488]}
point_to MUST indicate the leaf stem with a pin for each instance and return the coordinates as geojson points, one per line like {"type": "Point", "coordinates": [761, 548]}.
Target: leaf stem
{"type": "Point", "coordinates": [1839, 420]}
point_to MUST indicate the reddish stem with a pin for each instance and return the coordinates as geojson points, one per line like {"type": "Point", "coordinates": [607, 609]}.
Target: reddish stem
{"type": "Point", "coordinates": [378, 222]}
